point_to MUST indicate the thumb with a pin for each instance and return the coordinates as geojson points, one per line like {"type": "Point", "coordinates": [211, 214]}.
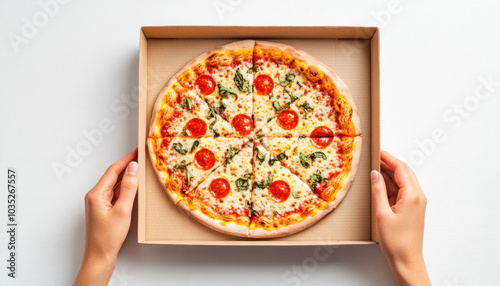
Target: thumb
{"type": "Point", "coordinates": [128, 187]}
{"type": "Point", "coordinates": [379, 193]}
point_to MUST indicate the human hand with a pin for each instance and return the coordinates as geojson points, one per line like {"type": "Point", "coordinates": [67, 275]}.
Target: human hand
{"type": "Point", "coordinates": [108, 212]}
{"type": "Point", "coordinates": [399, 209]}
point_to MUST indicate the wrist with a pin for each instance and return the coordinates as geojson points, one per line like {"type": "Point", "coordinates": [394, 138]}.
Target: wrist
{"type": "Point", "coordinates": [96, 269]}
{"type": "Point", "coordinates": [409, 271]}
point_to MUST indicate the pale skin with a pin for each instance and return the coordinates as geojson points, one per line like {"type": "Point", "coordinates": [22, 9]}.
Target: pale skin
{"type": "Point", "coordinates": [108, 212]}
{"type": "Point", "coordinates": [399, 209]}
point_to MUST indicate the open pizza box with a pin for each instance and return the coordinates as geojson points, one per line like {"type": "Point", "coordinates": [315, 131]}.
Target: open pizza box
{"type": "Point", "coordinates": [351, 52]}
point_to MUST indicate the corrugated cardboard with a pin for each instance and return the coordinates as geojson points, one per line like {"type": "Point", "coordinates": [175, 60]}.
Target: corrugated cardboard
{"type": "Point", "coordinates": [351, 52]}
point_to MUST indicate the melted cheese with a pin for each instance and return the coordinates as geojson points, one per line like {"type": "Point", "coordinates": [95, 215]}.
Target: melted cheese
{"type": "Point", "coordinates": [263, 104]}
{"type": "Point", "coordinates": [167, 157]}
{"type": "Point", "coordinates": [232, 207]}
{"type": "Point", "coordinates": [293, 147]}
{"type": "Point", "coordinates": [175, 117]}
{"type": "Point", "coordinates": [270, 210]}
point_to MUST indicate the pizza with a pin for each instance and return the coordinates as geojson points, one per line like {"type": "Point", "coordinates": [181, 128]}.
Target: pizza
{"type": "Point", "coordinates": [255, 139]}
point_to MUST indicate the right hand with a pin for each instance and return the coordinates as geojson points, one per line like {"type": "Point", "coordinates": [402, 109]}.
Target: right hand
{"type": "Point", "coordinates": [399, 210]}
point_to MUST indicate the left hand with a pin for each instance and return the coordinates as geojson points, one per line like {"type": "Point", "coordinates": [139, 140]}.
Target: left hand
{"type": "Point", "coordinates": [108, 212]}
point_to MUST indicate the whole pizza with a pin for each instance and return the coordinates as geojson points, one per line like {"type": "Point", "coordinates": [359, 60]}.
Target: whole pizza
{"type": "Point", "coordinates": [255, 139]}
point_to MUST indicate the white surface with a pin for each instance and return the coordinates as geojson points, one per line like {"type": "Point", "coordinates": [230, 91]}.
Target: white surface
{"type": "Point", "coordinates": [81, 67]}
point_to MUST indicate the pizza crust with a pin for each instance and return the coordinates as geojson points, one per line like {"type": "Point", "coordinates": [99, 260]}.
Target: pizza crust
{"type": "Point", "coordinates": [290, 229]}
{"type": "Point", "coordinates": [194, 64]}
{"type": "Point", "coordinates": [356, 152]}
{"type": "Point", "coordinates": [153, 127]}
{"type": "Point", "coordinates": [224, 227]}
{"type": "Point", "coordinates": [170, 187]}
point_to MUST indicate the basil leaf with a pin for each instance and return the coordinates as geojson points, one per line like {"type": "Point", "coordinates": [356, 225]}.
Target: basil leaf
{"type": "Point", "coordinates": [253, 211]}
{"type": "Point", "coordinates": [316, 179]}
{"type": "Point", "coordinates": [295, 195]}
{"type": "Point", "coordinates": [179, 149]}
{"type": "Point", "coordinates": [262, 185]}
{"type": "Point", "coordinates": [242, 184]}
{"type": "Point", "coordinates": [241, 83]}
{"type": "Point", "coordinates": [181, 165]}
{"type": "Point", "coordinates": [221, 108]}
{"type": "Point", "coordinates": [304, 157]}
{"type": "Point", "coordinates": [303, 160]}
{"type": "Point", "coordinates": [195, 145]}
{"type": "Point", "coordinates": [261, 157]}
{"type": "Point", "coordinates": [184, 131]}
{"type": "Point", "coordinates": [275, 213]}
{"type": "Point", "coordinates": [216, 133]}
{"type": "Point", "coordinates": [295, 150]}
{"type": "Point", "coordinates": [211, 113]}
{"type": "Point", "coordinates": [289, 77]}
{"type": "Point", "coordinates": [248, 176]}
{"type": "Point", "coordinates": [271, 95]}
{"type": "Point", "coordinates": [226, 92]}
{"type": "Point", "coordinates": [211, 127]}
{"type": "Point", "coordinates": [230, 153]}
{"type": "Point", "coordinates": [319, 155]}
{"type": "Point", "coordinates": [272, 161]}
{"type": "Point", "coordinates": [270, 180]}
{"type": "Point", "coordinates": [292, 95]}
{"type": "Point", "coordinates": [277, 106]}
{"type": "Point", "coordinates": [252, 69]}
{"type": "Point", "coordinates": [260, 138]}
{"type": "Point", "coordinates": [282, 156]}
{"type": "Point", "coordinates": [307, 108]}
{"type": "Point", "coordinates": [186, 103]}
{"type": "Point", "coordinates": [189, 176]}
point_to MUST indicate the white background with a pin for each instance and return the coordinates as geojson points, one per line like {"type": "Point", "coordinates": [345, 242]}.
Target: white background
{"type": "Point", "coordinates": [77, 66]}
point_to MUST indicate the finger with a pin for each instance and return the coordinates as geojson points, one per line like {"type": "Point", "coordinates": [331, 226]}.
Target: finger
{"type": "Point", "coordinates": [386, 169]}
{"type": "Point", "coordinates": [403, 174]}
{"type": "Point", "coordinates": [392, 189]}
{"type": "Point", "coordinates": [379, 193]}
{"type": "Point", "coordinates": [391, 161]}
{"type": "Point", "coordinates": [128, 188]}
{"type": "Point", "coordinates": [111, 175]}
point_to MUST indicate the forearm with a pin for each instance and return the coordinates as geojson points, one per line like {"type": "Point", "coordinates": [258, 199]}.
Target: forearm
{"type": "Point", "coordinates": [413, 272]}
{"type": "Point", "coordinates": [95, 270]}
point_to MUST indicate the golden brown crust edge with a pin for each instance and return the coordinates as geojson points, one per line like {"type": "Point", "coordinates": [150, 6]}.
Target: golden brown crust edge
{"type": "Point", "coordinates": [227, 228]}
{"type": "Point", "coordinates": [162, 176]}
{"type": "Point", "coordinates": [235, 46]}
{"type": "Point", "coordinates": [291, 229]}
{"type": "Point", "coordinates": [356, 152]}
{"type": "Point", "coordinates": [153, 126]}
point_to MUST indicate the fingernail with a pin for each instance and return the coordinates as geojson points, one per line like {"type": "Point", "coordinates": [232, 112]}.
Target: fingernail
{"type": "Point", "coordinates": [374, 176]}
{"type": "Point", "coordinates": [132, 168]}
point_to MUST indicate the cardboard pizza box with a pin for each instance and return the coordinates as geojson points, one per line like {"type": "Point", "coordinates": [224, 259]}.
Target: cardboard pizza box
{"type": "Point", "coordinates": [351, 52]}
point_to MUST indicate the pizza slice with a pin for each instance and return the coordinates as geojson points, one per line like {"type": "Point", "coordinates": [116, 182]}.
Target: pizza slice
{"type": "Point", "coordinates": [327, 164]}
{"type": "Point", "coordinates": [281, 203]}
{"type": "Point", "coordinates": [277, 83]}
{"type": "Point", "coordinates": [222, 77]}
{"type": "Point", "coordinates": [312, 116]}
{"type": "Point", "coordinates": [182, 163]}
{"type": "Point", "coordinates": [219, 201]}
{"type": "Point", "coordinates": [180, 112]}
